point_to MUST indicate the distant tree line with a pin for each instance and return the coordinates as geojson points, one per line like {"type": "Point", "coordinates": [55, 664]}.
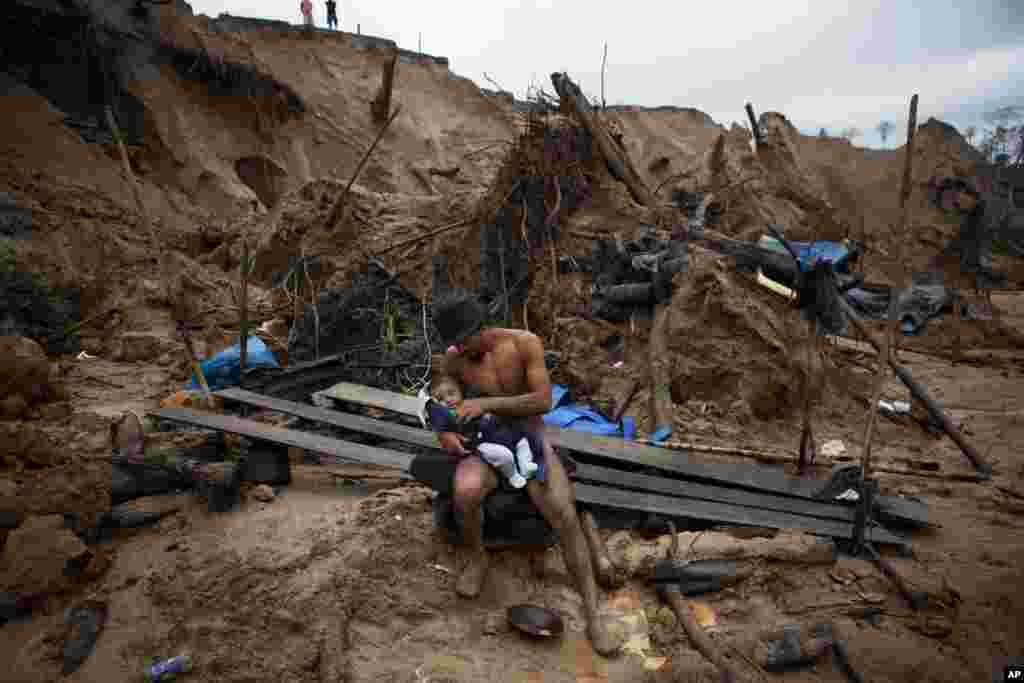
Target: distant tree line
{"type": "Point", "coordinates": [1001, 141]}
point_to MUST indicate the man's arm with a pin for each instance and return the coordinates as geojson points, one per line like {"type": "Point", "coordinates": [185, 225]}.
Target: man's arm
{"type": "Point", "coordinates": [538, 399]}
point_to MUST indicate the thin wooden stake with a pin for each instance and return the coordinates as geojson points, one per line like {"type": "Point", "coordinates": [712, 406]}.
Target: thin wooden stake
{"type": "Point", "coordinates": [881, 374]}
{"type": "Point", "coordinates": [603, 60]}
{"type": "Point", "coordinates": [339, 206]}
{"type": "Point", "coordinates": [754, 128]}
{"type": "Point", "coordinates": [243, 335]}
{"type": "Point", "coordinates": [905, 190]}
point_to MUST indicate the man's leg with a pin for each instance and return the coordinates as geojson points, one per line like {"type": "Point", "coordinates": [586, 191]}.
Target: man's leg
{"type": "Point", "coordinates": [555, 499]}
{"type": "Point", "coordinates": [474, 480]}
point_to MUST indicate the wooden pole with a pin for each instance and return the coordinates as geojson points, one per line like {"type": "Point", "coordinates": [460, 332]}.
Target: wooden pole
{"type": "Point", "coordinates": [754, 128]}
{"type": "Point", "coordinates": [881, 373]}
{"type": "Point", "coordinates": [244, 313]}
{"type": "Point", "coordinates": [604, 59]}
{"type": "Point", "coordinates": [339, 206]}
{"type": "Point", "coordinates": [132, 182]}
{"type": "Point", "coordinates": [905, 191]}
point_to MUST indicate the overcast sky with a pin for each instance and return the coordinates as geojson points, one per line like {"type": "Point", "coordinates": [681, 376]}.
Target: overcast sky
{"type": "Point", "coordinates": [822, 63]}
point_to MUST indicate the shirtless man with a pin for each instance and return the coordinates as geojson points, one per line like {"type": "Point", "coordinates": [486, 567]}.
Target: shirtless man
{"type": "Point", "coordinates": [507, 366]}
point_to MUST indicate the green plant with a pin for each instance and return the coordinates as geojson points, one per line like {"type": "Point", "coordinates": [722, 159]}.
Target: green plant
{"type": "Point", "coordinates": [233, 455]}
{"type": "Point", "coordinates": [158, 456]}
{"type": "Point", "coordinates": [395, 326]}
{"type": "Point", "coordinates": [8, 257]}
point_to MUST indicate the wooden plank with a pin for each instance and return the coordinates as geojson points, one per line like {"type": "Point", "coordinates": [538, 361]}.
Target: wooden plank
{"type": "Point", "coordinates": [743, 475]}
{"type": "Point", "coordinates": [688, 489]}
{"type": "Point", "coordinates": [691, 508]}
{"type": "Point", "coordinates": [357, 423]}
{"type": "Point", "coordinates": [377, 398]}
{"type": "Point", "coordinates": [343, 450]}
{"type": "Point", "coordinates": [732, 504]}
{"type": "Point", "coordinates": [424, 438]}
{"type": "Point", "coordinates": [756, 478]}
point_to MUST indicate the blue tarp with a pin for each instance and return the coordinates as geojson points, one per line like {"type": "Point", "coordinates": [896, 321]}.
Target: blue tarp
{"type": "Point", "coordinates": [835, 253]}
{"type": "Point", "coordinates": [577, 417]}
{"type": "Point", "coordinates": [224, 369]}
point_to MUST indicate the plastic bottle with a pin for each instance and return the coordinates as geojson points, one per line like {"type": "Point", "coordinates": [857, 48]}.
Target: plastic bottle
{"type": "Point", "coordinates": [162, 667]}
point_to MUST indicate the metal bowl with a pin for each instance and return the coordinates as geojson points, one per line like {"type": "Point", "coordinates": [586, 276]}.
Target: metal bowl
{"type": "Point", "coordinates": [536, 621]}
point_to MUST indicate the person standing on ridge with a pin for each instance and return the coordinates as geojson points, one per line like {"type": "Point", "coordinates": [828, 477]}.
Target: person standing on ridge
{"type": "Point", "coordinates": [332, 14]}
{"type": "Point", "coordinates": [306, 6]}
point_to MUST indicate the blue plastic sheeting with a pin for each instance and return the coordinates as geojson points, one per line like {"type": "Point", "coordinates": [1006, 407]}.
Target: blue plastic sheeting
{"type": "Point", "coordinates": [835, 253]}
{"type": "Point", "coordinates": [224, 369]}
{"type": "Point", "coordinates": [577, 417]}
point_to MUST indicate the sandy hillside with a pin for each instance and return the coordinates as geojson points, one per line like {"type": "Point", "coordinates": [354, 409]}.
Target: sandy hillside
{"type": "Point", "coordinates": [321, 584]}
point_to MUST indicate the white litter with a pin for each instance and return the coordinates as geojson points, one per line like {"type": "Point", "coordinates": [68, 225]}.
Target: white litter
{"type": "Point", "coordinates": [833, 448]}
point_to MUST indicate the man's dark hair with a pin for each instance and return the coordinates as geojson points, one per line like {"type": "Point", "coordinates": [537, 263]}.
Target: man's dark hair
{"type": "Point", "coordinates": [458, 315]}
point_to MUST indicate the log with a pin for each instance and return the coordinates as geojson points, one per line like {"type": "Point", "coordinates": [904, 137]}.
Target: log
{"type": "Point", "coordinates": [620, 164]}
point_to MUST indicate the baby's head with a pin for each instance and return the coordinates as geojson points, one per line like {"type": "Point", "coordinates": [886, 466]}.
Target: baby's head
{"type": "Point", "coordinates": [445, 389]}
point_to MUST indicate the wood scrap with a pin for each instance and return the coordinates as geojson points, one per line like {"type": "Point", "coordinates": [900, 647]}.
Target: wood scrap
{"type": "Point", "coordinates": [132, 182]}
{"type": "Point", "coordinates": [336, 212]}
{"type": "Point", "coordinates": [620, 165]}
{"type": "Point", "coordinates": [421, 238]}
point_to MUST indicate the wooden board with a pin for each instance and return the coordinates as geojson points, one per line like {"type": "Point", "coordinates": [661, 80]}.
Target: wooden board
{"type": "Point", "coordinates": [342, 450]}
{"type": "Point", "coordinates": [590, 473]}
{"type": "Point", "coordinates": [690, 508]}
{"type": "Point", "coordinates": [756, 477]}
{"type": "Point", "coordinates": [594, 474]}
{"type": "Point", "coordinates": [377, 398]}
{"type": "Point", "coordinates": [749, 476]}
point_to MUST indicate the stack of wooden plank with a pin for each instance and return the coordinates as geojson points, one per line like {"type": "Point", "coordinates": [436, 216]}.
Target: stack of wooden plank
{"type": "Point", "coordinates": [611, 473]}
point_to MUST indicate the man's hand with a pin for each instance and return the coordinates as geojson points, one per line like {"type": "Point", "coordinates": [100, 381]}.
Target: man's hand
{"type": "Point", "coordinates": [453, 442]}
{"type": "Point", "coordinates": [469, 409]}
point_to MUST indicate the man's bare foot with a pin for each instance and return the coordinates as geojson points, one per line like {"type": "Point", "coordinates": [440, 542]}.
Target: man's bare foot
{"type": "Point", "coordinates": [608, 575]}
{"type": "Point", "coordinates": [471, 581]}
{"type": "Point", "coordinates": [602, 639]}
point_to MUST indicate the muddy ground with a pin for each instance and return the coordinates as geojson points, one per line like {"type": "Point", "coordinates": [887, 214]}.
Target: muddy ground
{"type": "Point", "coordinates": [319, 580]}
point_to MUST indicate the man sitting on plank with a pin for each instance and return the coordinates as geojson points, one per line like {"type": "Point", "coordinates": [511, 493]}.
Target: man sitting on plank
{"type": "Point", "coordinates": [507, 367]}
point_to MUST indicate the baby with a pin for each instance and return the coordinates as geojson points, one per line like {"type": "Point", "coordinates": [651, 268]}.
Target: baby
{"type": "Point", "coordinates": [507, 450]}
